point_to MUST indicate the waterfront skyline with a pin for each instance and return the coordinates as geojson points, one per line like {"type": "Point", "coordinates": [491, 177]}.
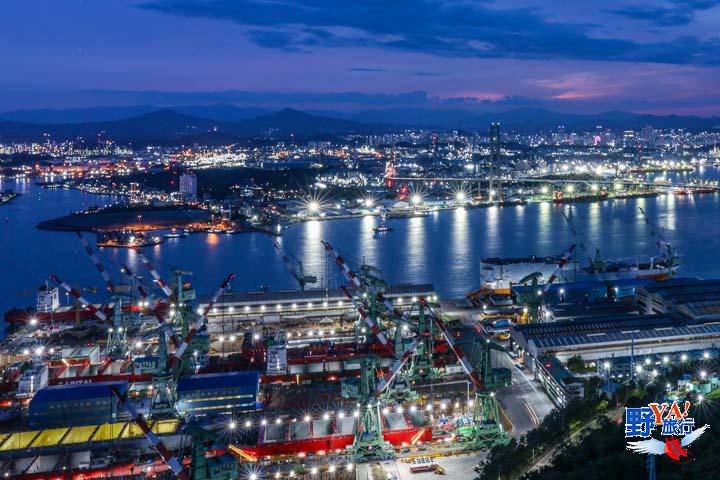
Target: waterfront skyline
{"type": "Point", "coordinates": [660, 57]}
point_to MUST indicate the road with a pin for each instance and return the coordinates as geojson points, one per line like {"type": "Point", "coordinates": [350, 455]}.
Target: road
{"type": "Point", "coordinates": [524, 401]}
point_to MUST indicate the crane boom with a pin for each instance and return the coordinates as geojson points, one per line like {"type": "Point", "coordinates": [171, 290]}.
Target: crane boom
{"type": "Point", "coordinates": [467, 366]}
{"type": "Point", "coordinates": [396, 367]}
{"type": "Point", "coordinates": [199, 322]}
{"type": "Point", "coordinates": [358, 286]}
{"type": "Point", "coordinates": [290, 267]}
{"type": "Point", "coordinates": [96, 261]}
{"type": "Point", "coordinates": [127, 271]}
{"type": "Point", "coordinates": [156, 276]}
{"type": "Point", "coordinates": [578, 235]}
{"type": "Point", "coordinates": [563, 261]}
{"type": "Point", "coordinates": [76, 293]}
{"type": "Point", "coordinates": [374, 328]}
{"type": "Point", "coordinates": [297, 273]}
{"type": "Point", "coordinates": [168, 458]}
{"type": "Point", "coordinates": [661, 243]}
{"type": "Point", "coordinates": [364, 286]}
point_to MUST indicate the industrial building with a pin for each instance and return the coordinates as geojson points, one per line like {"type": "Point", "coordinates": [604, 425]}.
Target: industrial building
{"type": "Point", "coordinates": [298, 306]}
{"type": "Point", "coordinates": [601, 338]}
{"type": "Point", "coordinates": [217, 393]}
{"type": "Point", "coordinates": [678, 315]}
{"type": "Point", "coordinates": [71, 405]}
{"type": "Point", "coordinates": [693, 299]}
{"type": "Point", "coordinates": [560, 385]}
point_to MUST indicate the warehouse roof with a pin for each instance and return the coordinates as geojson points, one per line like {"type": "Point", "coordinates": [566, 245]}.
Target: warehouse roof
{"type": "Point", "coordinates": [684, 288]}
{"type": "Point", "coordinates": [317, 294]}
{"type": "Point", "coordinates": [210, 381]}
{"type": "Point", "coordinates": [592, 331]}
{"type": "Point", "coordinates": [59, 393]}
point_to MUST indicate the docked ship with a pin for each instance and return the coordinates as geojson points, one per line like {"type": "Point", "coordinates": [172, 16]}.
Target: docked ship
{"type": "Point", "coordinates": [500, 274]}
{"type": "Point", "coordinates": [49, 310]}
{"type": "Point", "coordinates": [126, 239]}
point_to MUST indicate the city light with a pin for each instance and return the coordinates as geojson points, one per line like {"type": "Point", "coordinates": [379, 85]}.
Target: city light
{"type": "Point", "coordinates": [416, 199]}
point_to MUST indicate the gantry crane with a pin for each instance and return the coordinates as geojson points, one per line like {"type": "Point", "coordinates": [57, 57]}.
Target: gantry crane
{"type": "Point", "coordinates": [487, 429]}
{"type": "Point", "coordinates": [295, 267]}
{"type": "Point", "coordinates": [219, 467]}
{"type": "Point", "coordinates": [170, 366]}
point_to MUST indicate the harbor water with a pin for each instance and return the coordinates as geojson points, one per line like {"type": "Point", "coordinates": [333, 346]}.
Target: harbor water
{"type": "Point", "coordinates": [443, 249]}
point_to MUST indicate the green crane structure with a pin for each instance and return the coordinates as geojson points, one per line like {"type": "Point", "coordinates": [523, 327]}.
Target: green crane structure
{"type": "Point", "coordinates": [369, 443]}
{"type": "Point", "coordinates": [486, 430]}
{"type": "Point", "coordinates": [534, 298]}
{"type": "Point", "coordinates": [219, 467]}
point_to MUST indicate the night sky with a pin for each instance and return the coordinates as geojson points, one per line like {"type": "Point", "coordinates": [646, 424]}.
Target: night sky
{"type": "Point", "coordinates": [576, 56]}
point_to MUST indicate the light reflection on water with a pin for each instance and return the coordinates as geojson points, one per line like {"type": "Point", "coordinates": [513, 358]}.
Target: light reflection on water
{"type": "Point", "coordinates": [443, 249]}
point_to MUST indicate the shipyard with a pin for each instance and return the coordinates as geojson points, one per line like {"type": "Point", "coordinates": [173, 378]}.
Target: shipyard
{"type": "Point", "coordinates": [157, 380]}
{"type": "Point", "coordinates": [327, 240]}
{"type": "Point", "coordinates": [362, 351]}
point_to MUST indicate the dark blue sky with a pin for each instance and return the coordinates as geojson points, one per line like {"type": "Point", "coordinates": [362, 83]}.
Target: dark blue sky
{"type": "Point", "coordinates": [584, 55]}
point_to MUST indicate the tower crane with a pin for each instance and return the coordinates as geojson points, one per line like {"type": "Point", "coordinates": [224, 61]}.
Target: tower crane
{"type": "Point", "coordinates": [169, 365]}
{"type": "Point", "coordinates": [298, 273]}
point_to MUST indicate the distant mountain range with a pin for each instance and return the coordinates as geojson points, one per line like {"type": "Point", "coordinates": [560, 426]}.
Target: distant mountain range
{"type": "Point", "coordinates": [217, 124]}
{"type": "Point", "coordinates": [162, 127]}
